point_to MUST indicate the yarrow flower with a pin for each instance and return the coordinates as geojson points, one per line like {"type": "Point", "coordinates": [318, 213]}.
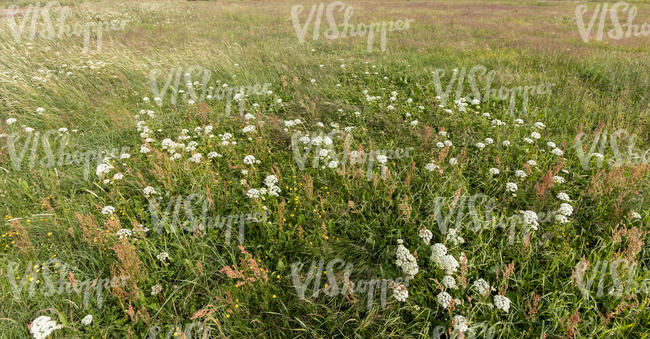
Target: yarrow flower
{"type": "Point", "coordinates": [253, 193]}
{"type": "Point", "coordinates": [156, 289]}
{"type": "Point", "coordinates": [405, 260]}
{"type": "Point", "coordinates": [148, 191]}
{"type": "Point", "coordinates": [108, 210]}
{"type": "Point", "coordinates": [502, 303]}
{"type": "Point", "coordinates": [530, 219]}
{"type": "Point", "coordinates": [520, 174]}
{"type": "Point", "coordinates": [425, 235]}
{"type": "Point", "coordinates": [511, 187]}
{"type": "Point", "coordinates": [558, 179]}
{"type": "Point", "coordinates": [87, 320]}
{"type": "Point", "coordinates": [444, 299]}
{"type": "Point", "coordinates": [438, 251]}
{"type": "Point", "coordinates": [461, 324]}
{"type": "Point", "coordinates": [482, 287]}
{"type": "Point", "coordinates": [102, 169]}
{"type": "Point", "coordinates": [494, 171]}
{"type": "Point", "coordinates": [563, 196]}
{"type": "Point", "coordinates": [163, 256]}
{"type": "Point", "coordinates": [249, 160]}
{"type": "Point", "coordinates": [449, 282]}
{"type": "Point", "coordinates": [400, 292]}
{"type": "Point", "coordinates": [124, 233]}
{"type": "Point", "coordinates": [430, 167]}
{"type": "Point", "coordinates": [566, 209]}
{"type": "Point", "coordinates": [43, 326]}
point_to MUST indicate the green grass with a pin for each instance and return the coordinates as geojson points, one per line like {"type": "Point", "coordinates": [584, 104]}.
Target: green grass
{"type": "Point", "coordinates": [347, 216]}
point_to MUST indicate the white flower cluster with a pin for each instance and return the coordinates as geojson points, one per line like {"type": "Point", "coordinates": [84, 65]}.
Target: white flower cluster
{"type": "Point", "coordinates": [502, 303]}
{"type": "Point", "coordinates": [445, 261]}
{"type": "Point", "coordinates": [425, 235]}
{"type": "Point", "coordinates": [405, 260]}
{"type": "Point", "coordinates": [43, 326]}
{"type": "Point", "coordinates": [400, 292]}
{"type": "Point", "coordinates": [530, 219]}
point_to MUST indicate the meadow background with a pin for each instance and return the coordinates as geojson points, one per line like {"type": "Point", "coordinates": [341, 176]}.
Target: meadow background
{"type": "Point", "coordinates": [324, 213]}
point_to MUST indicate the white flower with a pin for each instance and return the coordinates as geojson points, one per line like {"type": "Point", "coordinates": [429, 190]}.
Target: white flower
{"type": "Point", "coordinates": [148, 191]}
{"type": "Point", "coordinates": [551, 144]}
{"type": "Point", "coordinates": [453, 237]}
{"type": "Point", "coordinates": [253, 193]}
{"type": "Point", "coordinates": [519, 121]}
{"type": "Point", "coordinates": [270, 180]}
{"type": "Point", "coordinates": [196, 158]}
{"type": "Point", "coordinates": [480, 145]}
{"type": "Point", "coordinates": [558, 179]}
{"type": "Point", "coordinates": [124, 233]}
{"type": "Point", "coordinates": [453, 161]}
{"type": "Point", "coordinates": [9, 122]}
{"type": "Point", "coordinates": [213, 155]}
{"type": "Point", "coordinates": [108, 210]}
{"type": "Point", "coordinates": [531, 163]}
{"type": "Point", "coordinates": [248, 129]}
{"type": "Point", "coordinates": [425, 235]}
{"type": "Point", "coordinates": [42, 327]}
{"type": "Point", "coordinates": [144, 149]}
{"type": "Point", "coordinates": [162, 256]}
{"type": "Point", "coordinates": [249, 160]}
{"type": "Point", "coordinates": [87, 320]}
{"type": "Point", "coordinates": [333, 164]}
{"type": "Point", "coordinates": [557, 151]}
{"type": "Point", "coordinates": [449, 282]}
{"type": "Point", "coordinates": [382, 159]}
{"type": "Point", "coordinates": [155, 289]}
{"type": "Point", "coordinates": [528, 140]}
{"type": "Point", "coordinates": [63, 130]}
{"type": "Point", "coordinates": [29, 130]}
{"type": "Point", "coordinates": [40, 110]}
{"type": "Point", "coordinates": [405, 260]}
{"type": "Point", "coordinates": [400, 292]}
{"type": "Point", "coordinates": [539, 125]}
{"type": "Point", "coordinates": [520, 174]}
{"type": "Point", "coordinates": [502, 302]}
{"type": "Point", "coordinates": [635, 215]}
{"type": "Point", "coordinates": [449, 264]}
{"type": "Point", "coordinates": [530, 219]}
{"type": "Point", "coordinates": [438, 251]}
{"type": "Point", "coordinates": [511, 187]}
{"type": "Point", "coordinates": [440, 145]}
{"type": "Point", "coordinates": [125, 156]}
{"type": "Point", "coordinates": [494, 171]}
{"type": "Point", "coordinates": [431, 167]}
{"type": "Point", "coordinates": [461, 324]}
{"type": "Point", "coordinates": [505, 143]}
{"type": "Point", "coordinates": [481, 286]}
{"type": "Point", "coordinates": [561, 219]}
{"type": "Point", "coordinates": [566, 209]}
{"type": "Point", "coordinates": [448, 143]}
{"type": "Point", "coordinates": [563, 196]}
{"type": "Point", "coordinates": [489, 141]}
{"type": "Point", "coordinates": [103, 169]}
{"type": "Point", "coordinates": [444, 299]}
{"type": "Point", "coordinates": [118, 176]}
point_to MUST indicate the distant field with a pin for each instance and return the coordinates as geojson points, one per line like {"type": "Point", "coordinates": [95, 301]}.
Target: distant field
{"type": "Point", "coordinates": [195, 170]}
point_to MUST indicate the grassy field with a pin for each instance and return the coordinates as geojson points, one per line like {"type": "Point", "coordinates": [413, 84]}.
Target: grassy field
{"type": "Point", "coordinates": [149, 213]}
